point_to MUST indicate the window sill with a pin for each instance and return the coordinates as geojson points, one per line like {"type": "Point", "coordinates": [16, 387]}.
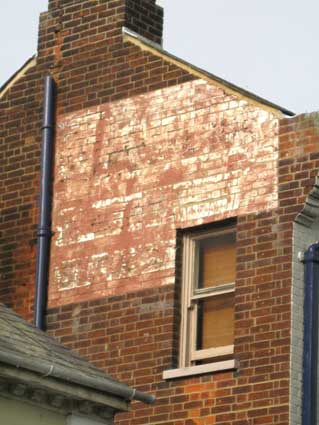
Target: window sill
{"type": "Point", "coordinates": [201, 369]}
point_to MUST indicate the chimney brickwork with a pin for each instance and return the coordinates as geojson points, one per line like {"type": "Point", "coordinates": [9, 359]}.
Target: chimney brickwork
{"type": "Point", "coordinates": [80, 43]}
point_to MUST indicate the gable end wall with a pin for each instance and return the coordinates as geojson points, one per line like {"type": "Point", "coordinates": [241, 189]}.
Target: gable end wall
{"type": "Point", "coordinates": [144, 149]}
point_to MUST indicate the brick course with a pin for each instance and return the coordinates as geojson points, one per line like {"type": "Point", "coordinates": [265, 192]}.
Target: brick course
{"type": "Point", "coordinates": [298, 166]}
{"type": "Point", "coordinates": [20, 138]}
{"type": "Point", "coordinates": [83, 79]}
{"type": "Point", "coordinates": [144, 150]}
{"type": "Point", "coordinates": [128, 174]}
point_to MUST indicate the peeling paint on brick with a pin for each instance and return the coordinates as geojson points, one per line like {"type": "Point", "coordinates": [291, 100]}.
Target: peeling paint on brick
{"type": "Point", "coordinates": [130, 172]}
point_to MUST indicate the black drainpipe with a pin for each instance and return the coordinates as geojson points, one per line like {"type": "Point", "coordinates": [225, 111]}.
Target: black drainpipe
{"type": "Point", "coordinates": [44, 224]}
{"type": "Point", "coordinates": [310, 349]}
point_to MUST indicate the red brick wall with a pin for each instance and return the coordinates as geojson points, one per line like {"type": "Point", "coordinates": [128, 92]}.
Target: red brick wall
{"type": "Point", "coordinates": [143, 149]}
{"type": "Point", "coordinates": [299, 167]}
{"type": "Point", "coordinates": [83, 41]}
{"type": "Point", "coordinates": [20, 138]}
{"type": "Point", "coordinates": [88, 18]}
{"type": "Point", "coordinates": [129, 173]}
{"type": "Point", "coordinates": [131, 169]}
{"type": "Point", "coordinates": [80, 43]}
{"type": "Point", "coordinates": [133, 335]}
{"type": "Point", "coordinates": [298, 163]}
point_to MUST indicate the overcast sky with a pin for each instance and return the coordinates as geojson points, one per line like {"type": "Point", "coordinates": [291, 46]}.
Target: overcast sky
{"type": "Point", "coordinates": [268, 47]}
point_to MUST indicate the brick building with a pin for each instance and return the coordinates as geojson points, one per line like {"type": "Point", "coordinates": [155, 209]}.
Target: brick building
{"type": "Point", "coordinates": [180, 206]}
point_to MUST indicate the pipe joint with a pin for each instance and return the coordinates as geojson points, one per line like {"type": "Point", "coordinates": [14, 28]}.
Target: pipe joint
{"type": "Point", "coordinates": [44, 232]}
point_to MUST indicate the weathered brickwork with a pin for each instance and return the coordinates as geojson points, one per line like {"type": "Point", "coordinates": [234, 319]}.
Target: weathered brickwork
{"type": "Point", "coordinates": [261, 392]}
{"type": "Point", "coordinates": [20, 138]}
{"type": "Point", "coordinates": [129, 173]}
{"type": "Point", "coordinates": [130, 336]}
{"type": "Point", "coordinates": [84, 42]}
{"type": "Point", "coordinates": [145, 149]}
{"type": "Point", "coordinates": [91, 66]}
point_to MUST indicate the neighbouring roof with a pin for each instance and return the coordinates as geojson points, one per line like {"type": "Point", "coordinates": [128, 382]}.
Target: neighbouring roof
{"type": "Point", "coordinates": [157, 50]}
{"type": "Point", "coordinates": [17, 75]}
{"type": "Point", "coordinates": [29, 354]}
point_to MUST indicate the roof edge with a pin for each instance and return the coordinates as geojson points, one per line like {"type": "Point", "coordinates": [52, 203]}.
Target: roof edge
{"type": "Point", "coordinates": [17, 75]}
{"type": "Point", "coordinates": [32, 387]}
{"type": "Point", "coordinates": [156, 49]}
{"type": "Point", "coordinates": [47, 370]}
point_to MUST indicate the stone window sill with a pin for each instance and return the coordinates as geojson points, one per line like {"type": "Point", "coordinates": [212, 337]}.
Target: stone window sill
{"type": "Point", "coordinates": [201, 369]}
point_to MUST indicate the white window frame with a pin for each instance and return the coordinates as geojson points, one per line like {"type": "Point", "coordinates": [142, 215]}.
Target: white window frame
{"type": "Point", "coordinates": [188, 354]}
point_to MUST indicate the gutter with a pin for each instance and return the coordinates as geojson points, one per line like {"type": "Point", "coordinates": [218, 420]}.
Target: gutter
{"type": "Point", "coordinates": [310, 348]}
{"type": "Point", "coordinates": [94, 382]}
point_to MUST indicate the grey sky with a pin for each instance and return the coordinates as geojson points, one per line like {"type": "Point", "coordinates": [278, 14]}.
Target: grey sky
{"type": "Point", "coordinates": [268, 47]}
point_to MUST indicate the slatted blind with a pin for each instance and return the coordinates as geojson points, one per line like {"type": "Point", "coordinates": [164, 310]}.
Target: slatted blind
{"type": "Point", "coordinates": [217, 261]}
{"type": "Point", "coordinates": [217, 324]}
{"type": "Point", "coordinates": [217, 266]}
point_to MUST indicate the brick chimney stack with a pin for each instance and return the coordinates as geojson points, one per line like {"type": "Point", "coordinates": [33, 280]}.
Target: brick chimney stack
{"type": "Point", "coordinates": [85, 21]}
{"type": "Point", "coordinates": [81, 43]}
{"type": "Point", "coordinates": [143, 16]}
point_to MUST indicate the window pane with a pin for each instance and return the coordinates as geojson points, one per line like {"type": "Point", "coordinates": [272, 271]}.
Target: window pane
{"type": "Point", "coordinates": [217, 260]}
{"type": "Point", "coordinates": [216, 321]}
